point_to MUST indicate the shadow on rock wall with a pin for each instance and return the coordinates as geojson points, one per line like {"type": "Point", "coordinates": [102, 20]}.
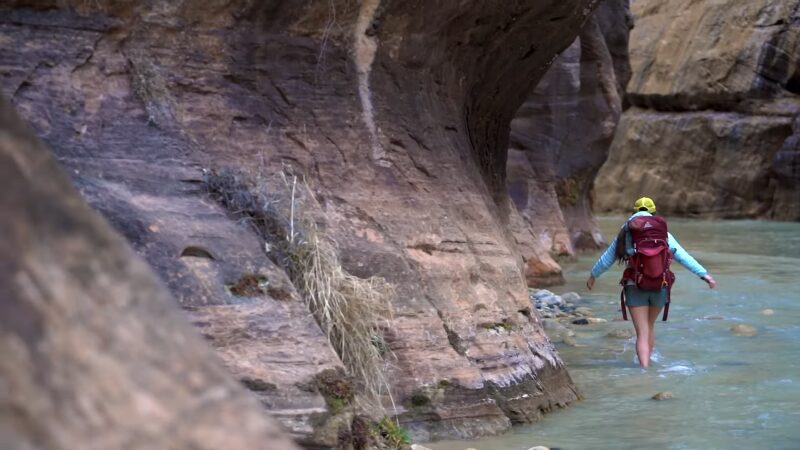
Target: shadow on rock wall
{"type": "Point", "coordinates": [562, 133]}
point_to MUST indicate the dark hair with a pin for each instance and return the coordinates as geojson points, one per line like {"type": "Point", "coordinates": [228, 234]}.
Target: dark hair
{"type": "Point", "coordinates": [643, 209]}
{"type": "Point", "coordinates": [619, 251]}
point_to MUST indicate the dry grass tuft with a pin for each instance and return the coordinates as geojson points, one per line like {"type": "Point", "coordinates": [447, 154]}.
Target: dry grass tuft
{"type": "Point", "coordinates": [349, 310]}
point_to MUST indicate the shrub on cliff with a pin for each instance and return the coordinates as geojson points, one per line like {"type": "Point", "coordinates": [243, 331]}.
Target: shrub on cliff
{"type": "Point", "coordinates": [348, 309]}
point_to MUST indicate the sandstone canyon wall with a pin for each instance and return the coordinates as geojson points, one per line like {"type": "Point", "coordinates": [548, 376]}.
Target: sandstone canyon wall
{"type": "Point", "coordinates": [715, 95]}
{"type": "Point", "coordinates": [96, 355]}
{"type": "Point", "coordinates": [395, 114]}
{"type": "Point", "coordinates": [562, 133]}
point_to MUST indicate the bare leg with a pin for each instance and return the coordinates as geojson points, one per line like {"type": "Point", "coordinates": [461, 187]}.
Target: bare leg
{"type": "Point", "coordinates": [653, 316]}
{"type": "Point", "coordinates": [641, 322]}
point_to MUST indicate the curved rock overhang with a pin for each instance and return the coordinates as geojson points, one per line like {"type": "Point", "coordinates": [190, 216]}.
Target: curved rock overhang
{"type": "Point", "coordinates": [395, 113]}
{"type": "Point", "coordinates": [561, 135]}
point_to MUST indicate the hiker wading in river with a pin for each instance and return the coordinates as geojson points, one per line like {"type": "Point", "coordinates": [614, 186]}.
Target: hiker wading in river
{"type": "Point", "coordinates": [647, 248]}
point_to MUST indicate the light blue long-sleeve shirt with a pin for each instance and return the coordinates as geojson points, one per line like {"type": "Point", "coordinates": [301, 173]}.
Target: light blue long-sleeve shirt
{"type": "Point", "coordinates": [682, 256]}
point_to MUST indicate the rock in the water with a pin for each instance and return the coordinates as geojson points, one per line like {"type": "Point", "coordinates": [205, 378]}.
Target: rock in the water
{"type": "Point", "coordinates": [538, 294]}
{"type": "Point", "coordinates": [552, 325]}
{"type": "Point", "coordinates": [571, 297]}
{"type": "Point", "coordinates": [620, 333]}
{"type": "Point", "coordinates": [553, 301]}
{"type": "Point", "coordinates": [418, 447]}
{"type": "Point", "coordinates": [664, 395]}
{"type": "Point", "coordinates": [596, 320]}
{"type": "Point", "coordinates": [714, 317]}
{"type": "Point", "coordinates": [583, 311]}
{"type": "Point", "coordinates": [543, 297]}
{"type": "Point", "coordinates": [580, 322]}
{"type": "Point", "coordinates": [555, 331]}
{"type": "Point", "coordinates": [539, 447]}
{"type": "Point", "coordinates": [767, 312]}
{"type": "Point", "coordinates": [744, 330]}
{"type": "Point", "coordinates": [569, 340]}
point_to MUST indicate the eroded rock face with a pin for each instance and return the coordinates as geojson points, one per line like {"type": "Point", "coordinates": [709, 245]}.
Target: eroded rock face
{"type": "Point", "coordinates": [708, 133]}
{"type": "Point", "coordinates": [395, 113]}
{"type": "Point", "coordinates": [95, 353]}
{"type": "Point", "coordinates": [561, 135]}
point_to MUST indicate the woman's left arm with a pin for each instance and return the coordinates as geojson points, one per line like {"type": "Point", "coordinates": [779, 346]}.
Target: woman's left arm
{"type": "Point", "coordinates": [686, 260]}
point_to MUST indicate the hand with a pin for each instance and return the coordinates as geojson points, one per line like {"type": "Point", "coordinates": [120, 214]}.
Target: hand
{"type": "Point", "coordinates": [590, 282]}
{"type": "Point", "coordinates": [710, 280]}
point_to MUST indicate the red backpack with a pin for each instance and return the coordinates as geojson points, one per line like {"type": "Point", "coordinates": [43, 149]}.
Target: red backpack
{"type": "Point", "coordinates": [648, 267]}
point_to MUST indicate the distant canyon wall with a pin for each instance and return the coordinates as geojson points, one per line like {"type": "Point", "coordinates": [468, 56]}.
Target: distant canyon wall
{"type": "Point", "coordinates": [562, 133]}
{"type": "Point", "coordinates": [713, 128]}
{"type": "Point", "coordinates": [396, 116]}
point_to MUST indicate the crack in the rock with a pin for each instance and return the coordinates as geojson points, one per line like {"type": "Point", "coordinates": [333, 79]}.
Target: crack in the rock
{"type": "Point", "coordinates": [452, 336]}
{"type": "Point", "coordinates": [88, 58]}
{"type": "Point", "coordinates": [337, 147]}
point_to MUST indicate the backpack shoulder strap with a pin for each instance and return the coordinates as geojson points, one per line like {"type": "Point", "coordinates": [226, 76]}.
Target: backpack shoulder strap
{"type": "Point", "coordinates": [629, 249]}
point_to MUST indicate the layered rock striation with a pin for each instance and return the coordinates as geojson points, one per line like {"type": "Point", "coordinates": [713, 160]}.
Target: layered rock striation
{"type": "Point", "coordinates": [562, 133]}
{"type": "Point", "coordinates": [715, 94]}
{"type": "Point", "coordinates": [96, 355]}
{"type": "Point", "coordinates": [394, 114]}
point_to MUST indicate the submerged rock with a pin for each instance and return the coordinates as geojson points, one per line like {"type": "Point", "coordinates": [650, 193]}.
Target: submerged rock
{"type": "Point", "coordinates": [714, 317]}
{"type": "Point", "coordinates": [580, 322]}
{"type": "Point", "coordinates": [767, 312]}
{"type": "Point", "coordinates": [583, 311]}
{"type": "Point", "coordinates": [571, 297]}
{"type": "Point", "coordinates": [744, 330]}
{"type": "Point", "coordinates": [665, 395]}
{"type": "Point", "coordinates": [556, 331]}
{"type": "Point", "coordinates": [620, 333]}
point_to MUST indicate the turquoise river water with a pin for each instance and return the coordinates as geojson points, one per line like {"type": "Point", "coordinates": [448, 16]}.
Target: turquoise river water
{"type": "Point", "coordinates": [729, 391]}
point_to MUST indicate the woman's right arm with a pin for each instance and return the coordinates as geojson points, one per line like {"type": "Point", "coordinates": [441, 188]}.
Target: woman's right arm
{"type": "Point", "coordinates": [604, 263]}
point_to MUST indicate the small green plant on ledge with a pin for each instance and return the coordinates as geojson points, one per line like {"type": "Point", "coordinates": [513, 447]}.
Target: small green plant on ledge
{"type": "Point", "coordinates": [391, 433]}
{"type": "Point", "coordinates": [505, 325]}
{"type": "Point", "coordinates": [249, 285]}
{"type": "Point", "coordinates": [336, 388]}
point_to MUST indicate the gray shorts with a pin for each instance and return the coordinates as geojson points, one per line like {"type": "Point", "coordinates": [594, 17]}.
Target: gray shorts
{"type": "Point", "coordinates": [639, 297]}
